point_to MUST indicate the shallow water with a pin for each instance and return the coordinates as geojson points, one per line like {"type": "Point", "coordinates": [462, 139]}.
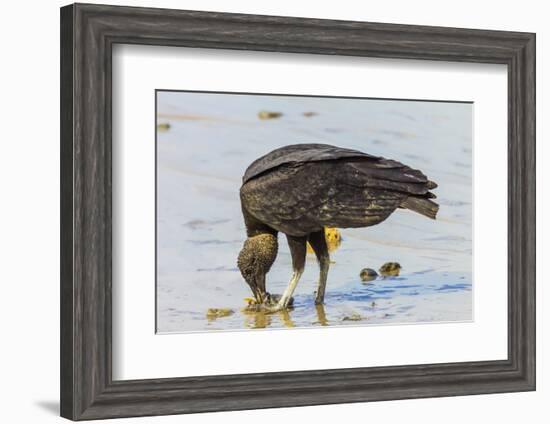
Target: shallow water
{"type": "Point", "coordinates": [200, 162]}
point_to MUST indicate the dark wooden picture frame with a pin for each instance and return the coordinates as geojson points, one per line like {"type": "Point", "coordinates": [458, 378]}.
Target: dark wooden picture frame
{"type": "Point", "coordinates": [88, 33]}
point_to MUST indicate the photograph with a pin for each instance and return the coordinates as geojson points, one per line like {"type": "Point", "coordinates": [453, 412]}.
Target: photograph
{"type": "Point", "coordinates": [279, 211]}
{"type": "Point", "coordinates": [274, 210]}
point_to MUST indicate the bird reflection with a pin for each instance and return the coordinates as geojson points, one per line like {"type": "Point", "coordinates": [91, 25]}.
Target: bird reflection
{"type": "Point", "coordinates": [261, 318]}
{"type": "Point", "coordinates": [321, 315]}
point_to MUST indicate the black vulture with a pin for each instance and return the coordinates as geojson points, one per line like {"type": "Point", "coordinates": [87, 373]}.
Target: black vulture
{"type": "Point", "coordinates": [300, 189]}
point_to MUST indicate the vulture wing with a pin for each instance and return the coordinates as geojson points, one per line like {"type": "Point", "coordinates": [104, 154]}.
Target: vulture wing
{"type": "Point", "coordinates": [300, 153]}
{"type": "Point", "coordinates": [299, 191]}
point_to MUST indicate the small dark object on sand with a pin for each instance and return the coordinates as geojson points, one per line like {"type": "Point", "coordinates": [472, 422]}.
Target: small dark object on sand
{"type": "Point", "coordinates": [354, 316]}
{"type": "Point", "coordinates": [214, 313]}
{"type": "Point", "coordinates": [309, 114]}
{"type": "Point", "coordinates": [368, 274]}
{"type": "Point", "coordinates": [266, 114]}
{"type": "Point", "coordinates": [390, 269]}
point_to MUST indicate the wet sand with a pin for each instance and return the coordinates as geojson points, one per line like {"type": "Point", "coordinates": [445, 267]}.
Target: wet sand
{"type": "Point", "coordinates": [200, 230]}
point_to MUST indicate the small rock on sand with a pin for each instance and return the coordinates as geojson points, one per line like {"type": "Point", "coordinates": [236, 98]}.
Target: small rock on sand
{"type": "Point", "coordinates": [354, 316]}
{"type": "Point", "coordinates": [163, 126]}
{"type": "Point", "coordinates": [390, 269]}
{"type": "Point", "coordinates": [266, 114]}
{"type": "Point", "coordinates": [214, 313]}
{"type": "Point", "coordinates": [368, 274]}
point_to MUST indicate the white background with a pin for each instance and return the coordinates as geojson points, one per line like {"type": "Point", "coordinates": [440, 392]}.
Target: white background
{"type": "Point", "coordinates": [138, 70]}
{"type": "Point", "coordinates": [30, 216]}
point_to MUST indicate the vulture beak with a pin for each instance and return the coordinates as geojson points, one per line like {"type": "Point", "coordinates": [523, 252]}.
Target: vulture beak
{"type": "Point", "coordinates": [257, 285]}
{"type": "Point", "coordinates": [259, 289]}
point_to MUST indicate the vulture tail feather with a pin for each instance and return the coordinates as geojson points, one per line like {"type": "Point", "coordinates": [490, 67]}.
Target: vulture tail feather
{"type": "Point", "coordinates": [421, 205]}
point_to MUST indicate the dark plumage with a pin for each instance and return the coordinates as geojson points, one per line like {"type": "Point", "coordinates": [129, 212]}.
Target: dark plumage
{"type": "Point", "coordinates": [300, 189]}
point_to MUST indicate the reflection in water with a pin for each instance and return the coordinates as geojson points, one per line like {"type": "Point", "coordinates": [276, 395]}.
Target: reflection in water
{"type": "Point", "coordinates": [262, 319]}
{"type": "Point", "coordinates": [256, 319]}
{"type": "Point", "coordinates": [380, 301]}
{"type": "Point", "coordinates": [321, 315]}
{"type": "Point", "coordinates": [285, 318]}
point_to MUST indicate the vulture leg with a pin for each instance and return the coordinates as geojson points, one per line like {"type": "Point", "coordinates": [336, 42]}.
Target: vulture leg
{"type": "Point", "coordinates": [297, 247]}
{"type": "Point", "coordinates": [319, 244]}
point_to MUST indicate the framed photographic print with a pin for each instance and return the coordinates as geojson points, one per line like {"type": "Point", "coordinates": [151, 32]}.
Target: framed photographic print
{"type": "Point", "coordinates": [263, 211]}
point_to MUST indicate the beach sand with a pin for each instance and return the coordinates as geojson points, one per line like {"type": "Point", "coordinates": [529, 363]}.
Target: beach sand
{"type": "Point", "coordinates": [201, 158]}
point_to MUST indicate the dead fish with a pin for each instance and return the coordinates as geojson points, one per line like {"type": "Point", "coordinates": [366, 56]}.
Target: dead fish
{"type": "Point", "coordinates": [368, 274]}
{"type": "Point", "coordinates": [214, 313]}
{"type": "Point", "coordinates": [390, 269]}
{"type": "Point", "coordinates": [163, 127]}
{"type": "Point", "coordinates": [266, 114]}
